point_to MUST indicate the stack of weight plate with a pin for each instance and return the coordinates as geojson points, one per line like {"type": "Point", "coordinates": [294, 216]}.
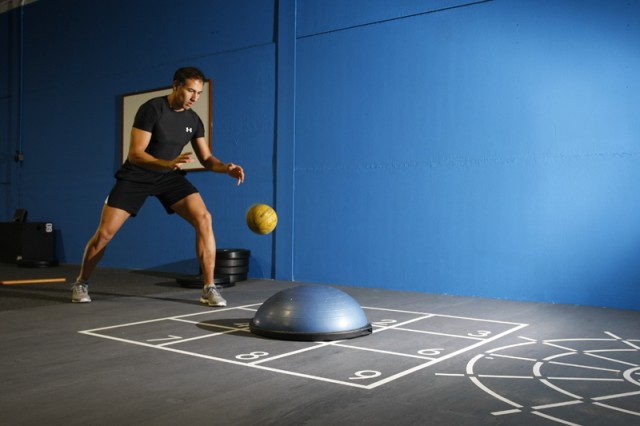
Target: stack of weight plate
{"type": "Point", "coordinates": [232, 265]}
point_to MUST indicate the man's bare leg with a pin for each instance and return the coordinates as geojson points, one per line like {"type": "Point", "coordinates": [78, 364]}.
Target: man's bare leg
{"type": "Point", "coordinates": [194, 211]}
{"type": "Point", "coordinates": [111, 221]}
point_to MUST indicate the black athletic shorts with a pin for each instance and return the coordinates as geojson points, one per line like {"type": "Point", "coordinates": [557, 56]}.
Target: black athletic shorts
{"type": "Point", "coordinates": [169, 188]}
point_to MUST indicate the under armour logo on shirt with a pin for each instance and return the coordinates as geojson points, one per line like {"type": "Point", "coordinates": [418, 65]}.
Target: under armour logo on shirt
{"type": "Point", "coordinates": [188, 129]}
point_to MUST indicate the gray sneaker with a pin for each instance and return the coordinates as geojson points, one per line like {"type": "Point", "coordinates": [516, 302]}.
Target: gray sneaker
{"type": "Point", "coordinates": [211, 297]}
{"type": "Point", "coordinates": [80, 293]}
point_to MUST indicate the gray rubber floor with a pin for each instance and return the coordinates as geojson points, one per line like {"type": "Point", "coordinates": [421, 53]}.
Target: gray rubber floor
{"type": "Point", "coordinates": [146, 352]}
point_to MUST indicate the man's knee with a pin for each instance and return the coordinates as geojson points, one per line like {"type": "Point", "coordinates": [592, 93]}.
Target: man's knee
{"type": "Point", "coordinates": [103, 237]}
{"type": "Point", "coordinates": [203, 221]}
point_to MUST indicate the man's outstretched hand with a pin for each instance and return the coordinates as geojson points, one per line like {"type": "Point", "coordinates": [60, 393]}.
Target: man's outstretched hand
{"type": "Point", "coordinates": [235, 171]}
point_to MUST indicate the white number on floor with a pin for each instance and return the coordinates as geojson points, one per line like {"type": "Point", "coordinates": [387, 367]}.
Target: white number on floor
{"type": "Point", "coordinates": [365, 374]}
{"type": "Point", "coordinates": [479, 333]}
{"type": "Point", "coordinates": [431, 352]}
{"type": "Point", "coordinates": [252, 355]}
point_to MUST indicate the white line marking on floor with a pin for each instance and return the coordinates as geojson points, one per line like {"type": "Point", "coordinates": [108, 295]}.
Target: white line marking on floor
{"type": "Point", "coordinates": [557, 404]}
{"type": "Point", "coordinates": [479, 384]}
{"type": "Point", "coordinates": [619, 395]}
{"type": "Point", "coordinates": [622, 410]}
{"type": "Point", "coordinates": [555, 419]}
{"type": "Point", "coordinates": [502, 413]}
{"type": "Point", "coordinates": [170, 337]}
{"type": "Point", "coordinates": [584, 366]}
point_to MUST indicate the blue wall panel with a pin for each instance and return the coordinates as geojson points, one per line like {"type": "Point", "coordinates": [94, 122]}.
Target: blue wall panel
{"type": "Point", "coordinates": [321, 16]}
{"type": "Point", "coordinates": [487, 150]}
{"type": "Point", "coordinates": [7, 36]}
{"type": "Point", "coordinates": [9, 111]}
{"type": "Point", "coordinates": [5, 156]}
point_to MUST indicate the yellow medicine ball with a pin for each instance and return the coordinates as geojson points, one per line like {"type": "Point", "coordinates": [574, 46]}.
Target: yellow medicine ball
{"type": "Point", "coordinates": [262, 219]}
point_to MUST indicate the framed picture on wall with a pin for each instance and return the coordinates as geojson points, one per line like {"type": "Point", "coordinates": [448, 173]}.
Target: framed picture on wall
{"type": "Point", "coordinates": [131, 103]}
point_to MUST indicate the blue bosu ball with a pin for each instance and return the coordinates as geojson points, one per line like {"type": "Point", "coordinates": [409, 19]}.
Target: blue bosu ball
{"type": "Point", "coordinates": [310, 313]}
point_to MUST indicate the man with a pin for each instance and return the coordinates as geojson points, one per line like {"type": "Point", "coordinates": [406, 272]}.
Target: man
{"type": "Point", "coordinates": [162, 127]}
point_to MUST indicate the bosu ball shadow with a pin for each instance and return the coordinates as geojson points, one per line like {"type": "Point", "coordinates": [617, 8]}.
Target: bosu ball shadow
{"type": "Point", "coordinates": [310, 313]}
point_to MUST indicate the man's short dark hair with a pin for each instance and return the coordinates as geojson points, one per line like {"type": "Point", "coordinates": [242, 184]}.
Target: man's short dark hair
{"type": "Point", "coordinates": [187, 73]}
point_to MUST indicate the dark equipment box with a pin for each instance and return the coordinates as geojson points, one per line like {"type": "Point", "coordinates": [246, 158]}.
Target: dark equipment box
{"type": "Point", "coordinates": [28, 243]}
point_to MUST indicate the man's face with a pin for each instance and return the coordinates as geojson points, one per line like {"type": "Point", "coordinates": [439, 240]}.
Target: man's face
{"type": "Point", "coordinates": [188, 93]}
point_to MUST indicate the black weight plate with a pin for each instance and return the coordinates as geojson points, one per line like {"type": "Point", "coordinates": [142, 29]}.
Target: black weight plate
{"type": "Point", "coordinates": [224, 282]}
{"type": "Point", "coordinates": [237, 277]}
{"type": "Point", "coordinates": [232, 270]}
{"type": "Point", "coordinates": [190, 281]}
{"type": "Point", "coordinates": [29, 263]}
{"type": "Point", "coordinates": [232, 262]}
{"type": "Point", "coordinates": [233, 254]}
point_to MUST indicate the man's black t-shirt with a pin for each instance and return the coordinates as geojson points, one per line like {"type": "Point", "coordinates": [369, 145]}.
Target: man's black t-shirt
{"type": "Point", "coordinates": [170, 132]}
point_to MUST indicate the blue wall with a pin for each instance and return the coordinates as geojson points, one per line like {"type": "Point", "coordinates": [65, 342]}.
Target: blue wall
{"type": "Point", "coordinates": [487, 149]}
